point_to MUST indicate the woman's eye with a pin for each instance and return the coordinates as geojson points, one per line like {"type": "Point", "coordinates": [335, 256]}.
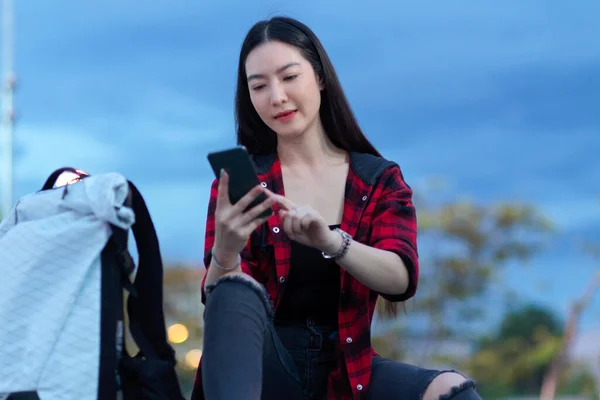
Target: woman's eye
{"type": "Point", "coordinates": [258, 87]}
{"type": "Point", "coordinates": [290, 77]}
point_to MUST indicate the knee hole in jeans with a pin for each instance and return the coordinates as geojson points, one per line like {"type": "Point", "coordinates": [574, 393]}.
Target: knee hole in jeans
{"type": "Point", "coordinates": [446, 385]}
{"type": "Point", "coordinates": [248, 282]}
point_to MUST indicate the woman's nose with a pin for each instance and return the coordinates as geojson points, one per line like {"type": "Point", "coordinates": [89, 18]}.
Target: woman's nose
{"type": "Point", "coordinates": [278, 95]}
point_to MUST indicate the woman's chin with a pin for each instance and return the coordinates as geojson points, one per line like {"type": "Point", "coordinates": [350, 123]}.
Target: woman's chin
{"type": "Point", "coordinates": [288, 132]}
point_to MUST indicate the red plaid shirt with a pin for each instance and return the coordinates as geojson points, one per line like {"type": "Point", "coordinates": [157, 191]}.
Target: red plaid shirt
{"type": "Point", "coordinates": [378, 212]}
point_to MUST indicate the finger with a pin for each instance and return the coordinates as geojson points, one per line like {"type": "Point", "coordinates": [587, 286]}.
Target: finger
{"type": "Point", "coordinates": [248, 198]}
{"type": "Point", "coordinates": [223, 189]}
{"type": "Point", "coordinates": [282, 201]}
{"type": "Point", "coordinates": [296, 223]}
{"type": "Point", "coordinates": [306, 221]}
{"type": "Point", "coordinates": [255, 211]}
{"type": "Point", "coordinates": [253, 225]}
{"type": "Point", "coordinates": [287, 225]}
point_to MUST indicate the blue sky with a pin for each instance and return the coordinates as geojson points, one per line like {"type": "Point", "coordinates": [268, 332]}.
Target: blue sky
{"type": "Point", "coordinates": [500, 99]}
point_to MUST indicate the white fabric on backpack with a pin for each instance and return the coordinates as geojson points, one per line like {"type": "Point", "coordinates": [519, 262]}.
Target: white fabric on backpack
{"type": "Point", "coordinates": [50, 250]}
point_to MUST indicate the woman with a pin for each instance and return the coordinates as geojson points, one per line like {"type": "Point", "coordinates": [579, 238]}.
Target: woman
{"type": "Point", "coordinates": [290, 298]}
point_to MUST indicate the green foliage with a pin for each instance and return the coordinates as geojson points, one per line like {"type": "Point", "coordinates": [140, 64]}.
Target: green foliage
{"type": "Point", "coordinates": [516, 357]}
{"type": "Point", "coordinates": [525, 322]}
{"type": "Point", "coordinates": [464, 247]}
{"type": "Point", "coordinates": [580, 381]}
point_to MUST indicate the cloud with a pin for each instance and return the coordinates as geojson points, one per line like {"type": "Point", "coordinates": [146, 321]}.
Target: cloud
{"type": "Point", "coordinates": [497, 99]}
{"type": "Point", "coordinates": [164, 137]}
{"type": "Point", "coordinates": [44, 149]}
{"type": "Point", "coordinates": [177, 204]}
{"type": "Point", "coordinates": [495, 163]}
{"type": "Point", "coordinates": [439, 69]}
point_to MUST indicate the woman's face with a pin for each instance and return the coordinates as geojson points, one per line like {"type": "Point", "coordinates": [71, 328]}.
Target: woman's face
{"type": "Point", "coordinates": [284, 89]}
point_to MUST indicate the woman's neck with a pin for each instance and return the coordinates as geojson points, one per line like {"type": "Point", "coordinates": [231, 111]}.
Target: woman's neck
{"type": "Point", "coordinates": [310, 149]}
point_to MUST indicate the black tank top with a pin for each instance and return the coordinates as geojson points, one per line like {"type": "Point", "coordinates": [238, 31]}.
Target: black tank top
{"type": "Point", "coordinates": [313, 288]}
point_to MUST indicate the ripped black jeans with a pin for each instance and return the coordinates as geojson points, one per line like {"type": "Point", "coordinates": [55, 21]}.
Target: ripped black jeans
{"type": "Point", "coordinates": [248, 356]}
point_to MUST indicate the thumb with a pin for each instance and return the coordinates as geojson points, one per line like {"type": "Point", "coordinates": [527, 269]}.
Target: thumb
{"type": "Point", "coordinates": [223, 193]}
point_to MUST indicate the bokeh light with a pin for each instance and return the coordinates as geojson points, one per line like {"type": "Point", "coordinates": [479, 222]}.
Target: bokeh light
{"type": "Point", "coordinates": [192, 358]}
{"type": "Point", "coordinates": [178, 333]}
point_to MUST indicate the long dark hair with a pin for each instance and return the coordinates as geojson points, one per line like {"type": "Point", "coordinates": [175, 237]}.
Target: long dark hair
{"type": "Point", "coordinates": [336, 114]}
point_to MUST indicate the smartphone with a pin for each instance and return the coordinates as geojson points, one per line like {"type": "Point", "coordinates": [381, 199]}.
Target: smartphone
{"type": "Point", "coordinates": [242, 175]}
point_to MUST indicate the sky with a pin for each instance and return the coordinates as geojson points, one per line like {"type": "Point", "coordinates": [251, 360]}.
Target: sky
{"type": "Point", "coordinates": [498, 99]}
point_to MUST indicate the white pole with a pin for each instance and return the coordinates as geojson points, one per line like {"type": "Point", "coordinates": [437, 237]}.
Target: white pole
{"type": "Point", "coordinates": [7, 117]}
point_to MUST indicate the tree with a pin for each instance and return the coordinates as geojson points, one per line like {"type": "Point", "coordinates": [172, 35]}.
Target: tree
{"type": "Point", "coordinates": [523, 322]}
{"type": "Point", "coordinates": [559, 361]}
{"type": "Point", "coordinates": [581, 381]}
{"type": "Point", "coordinates": [472, 244]}
{"type": "Point", "coordinates": [514, 359]}
{"type": "Point", "coordinates": [463, 247]}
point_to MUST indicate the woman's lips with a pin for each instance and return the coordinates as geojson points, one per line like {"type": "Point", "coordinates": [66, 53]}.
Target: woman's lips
{"type": "Point", "coordinates": [285, 115]}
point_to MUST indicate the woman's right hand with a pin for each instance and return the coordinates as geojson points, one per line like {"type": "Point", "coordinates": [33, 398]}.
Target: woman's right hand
{"type": "Point", "coordinates": [233, 226]}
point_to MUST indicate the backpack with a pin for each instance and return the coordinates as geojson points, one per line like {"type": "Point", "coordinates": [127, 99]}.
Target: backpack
{"type": "Point", "coordinates": [64, 266]}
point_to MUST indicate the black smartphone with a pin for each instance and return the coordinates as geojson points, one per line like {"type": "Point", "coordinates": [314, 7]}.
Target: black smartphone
{"type": "Point", "coordinates": [242, 175]}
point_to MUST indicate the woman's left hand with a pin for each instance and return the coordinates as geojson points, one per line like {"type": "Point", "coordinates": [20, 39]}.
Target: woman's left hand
{"type": "Point", "coordinates": [306, 226]}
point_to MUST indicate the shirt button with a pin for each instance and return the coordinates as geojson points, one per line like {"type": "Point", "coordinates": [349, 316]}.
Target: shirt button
{"type": "Point", "coordinates": [282, 279]}
{"type": "Point", "coordinates": [348, 340]}
{"type": "Point", "coordinates": [263, 184]}
{"type": "Point", "coordinates": [276, 230]}
{"type": "Point", "coordinates": [359, 387]}
{"type": "Point", "coordinates": [364, 198]}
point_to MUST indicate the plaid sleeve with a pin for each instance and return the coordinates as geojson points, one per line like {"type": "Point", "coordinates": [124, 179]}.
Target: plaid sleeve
{"type": "Point", "coordinates": [394, 227]}
{"type": "Point", "coordinates": [248, 262]}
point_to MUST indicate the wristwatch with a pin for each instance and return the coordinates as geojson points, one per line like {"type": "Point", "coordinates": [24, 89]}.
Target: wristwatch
{"type": "Point", "coordinates": [346, 240]}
